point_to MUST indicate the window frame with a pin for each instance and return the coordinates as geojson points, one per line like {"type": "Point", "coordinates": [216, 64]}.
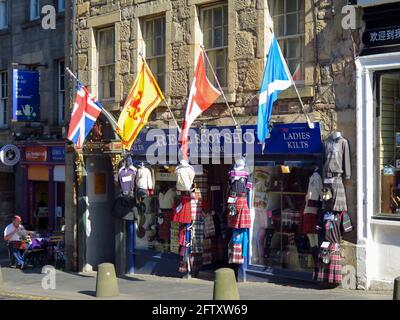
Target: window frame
{"type": "Point", "coordinates": [150, 58]}
{"type": "Point", "coordinates": [5, 17]}
{"type": "Point", "coordinates": [31, 17]}
{"type": "Point", "coordinates": [225, 48]}
{"type": "Point", "coordinates": [285, 37]}
{"type": "Point", "coordinates": [99, 67]}
{"type": "Point", "coordinates": [4, 100]}
{"type": "Point", "coordinates": [60, 95]}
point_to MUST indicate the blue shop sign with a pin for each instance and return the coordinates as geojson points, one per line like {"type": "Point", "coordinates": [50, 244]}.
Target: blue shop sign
{"type": "Point", "coordinates": [57, 154]}
{"type": "Point", "coordinates": [294, 138]}
{"type": "Point", "coordinates": [26, 98]}
{"type": "Point", "coordinates": [284, 139]}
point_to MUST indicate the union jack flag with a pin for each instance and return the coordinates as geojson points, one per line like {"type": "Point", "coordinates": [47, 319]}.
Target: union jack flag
{"type": "Point", "coordinates": [84, 115]}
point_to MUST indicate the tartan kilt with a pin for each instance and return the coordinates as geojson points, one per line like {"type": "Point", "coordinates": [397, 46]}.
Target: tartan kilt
{"type": "Point", "coordinates": [235, 253]}
{"type": "Point", "coordinates": [185, 215]}
{"type": "Point", "coordinates": [182, 235]}
{"type": "Point", "coordinates": [242, 219]}
{"type": "Point", "coordinates": [332, 272]}
{"type": "Point", "coordinates": [310, 223]}
{"type": "Point", "coordinates": [338, 195]}
{"type": "Point", "coordinates": [164, 228]}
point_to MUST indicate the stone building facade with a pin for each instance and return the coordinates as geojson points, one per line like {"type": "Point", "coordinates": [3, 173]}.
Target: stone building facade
{"type": "Point", "coordinates": [327, 54]}
{"type": "Point", "coordinates": [24, 44]}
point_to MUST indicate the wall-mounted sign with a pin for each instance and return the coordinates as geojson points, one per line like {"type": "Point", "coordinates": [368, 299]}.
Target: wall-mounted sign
{"type": "Point", "coordinates": [57, 154]}
{"type": "Point", "coordinates": [382, 36]}
{"type": "Point", "coordinates": [36, 154]}
{"type": "Point", "coordinates": [10, 155]}
{"type": "Point", "coordinates": [26, 98]}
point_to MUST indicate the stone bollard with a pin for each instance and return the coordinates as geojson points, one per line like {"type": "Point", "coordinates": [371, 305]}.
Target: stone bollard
{"type": "Point", "coordinates": [106, 281]}
{"type": "Point", "coordinates": [396, 290]}
{"type": "Point", "coordinates": [225, 286]}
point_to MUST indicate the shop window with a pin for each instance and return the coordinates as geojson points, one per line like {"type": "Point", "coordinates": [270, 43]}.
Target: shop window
{"type": "Point", "coordinates": [3, 14]}
{"type": "Point", "coordinates": [278, 236]}
{"type": "Point", "coordinates": [388, 143]}
{"type": "Point", "coordinates": [61, 5]}
{"type": "Point", "coordinates": [3, 99]}
{"type": "Point", "coordinates": [214, 24]}
{"type": "Point", "coordinates": [34, 10]}
{"type": "Point", "coordinates": [106, 63]}
{"type": "Point", "coordinates": [288, 17]}
{"type": "Point", "coordinates": [154, 38]}
{"type": "Point", "coordinates": [61, 91]}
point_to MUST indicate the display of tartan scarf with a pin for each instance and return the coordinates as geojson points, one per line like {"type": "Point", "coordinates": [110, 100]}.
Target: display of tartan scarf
{"type": "Point", "coordinates": [197, 236]}
{"type": "Point", "coordinates": [209, 228]}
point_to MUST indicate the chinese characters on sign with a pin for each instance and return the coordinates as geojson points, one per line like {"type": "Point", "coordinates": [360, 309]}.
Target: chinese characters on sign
{"type": "Point", "coordinates": [382, 37]}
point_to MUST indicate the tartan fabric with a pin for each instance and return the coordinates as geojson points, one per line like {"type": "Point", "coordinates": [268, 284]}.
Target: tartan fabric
{"type": "Point", "coordinates": [197, 236]}
{"type": "Point", "coordinates": [164, 229]}
{"type": "Point", "coordinates": [242, 219]}
{"type": "Point", "coordinates": [196, 261]}
{"type": "Point", "coordinates": [346, 222]}
{"type": "Point", "coordinates": [207, 256]}
{"type": "Point", "coordinates": [290, 217]}
{"type": "Point", "coordinates": [185, 214]}
{"type": "Point", "coordinates": [182, 235]}
{"type": "Point", "coordinates": [235, 253]}
{"type": "Point", "coordinates": [174, 246]}
{"type": "Point", "coordinates": [209, 228]}
{"type": "Point", "coordinates": [339, 202]}
{"type": "Point", "coordinates": [310, 223]}
{"type": "Point", "coordinates": [196, 203]}
{"type": "Point", "coordinates": [183, 267]}
{"type": "Point", "coordinates": [332, 272]}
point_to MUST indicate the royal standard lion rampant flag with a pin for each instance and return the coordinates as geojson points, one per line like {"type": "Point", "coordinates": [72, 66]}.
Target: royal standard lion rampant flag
{"type": "Point", "coordinates": [144, 96]}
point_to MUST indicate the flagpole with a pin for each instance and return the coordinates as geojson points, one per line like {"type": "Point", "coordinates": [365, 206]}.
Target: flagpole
{"type": "Point", "coordinates": [166, 102]}
{"type": "Point", "coordinates": [219, 86]}
{"type": "Point", "coordinates": [110, 117]}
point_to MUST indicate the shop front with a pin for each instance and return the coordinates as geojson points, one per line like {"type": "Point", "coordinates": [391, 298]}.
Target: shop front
{"type": "Point", "coordinates": [41, 185]}
{"type": "Point", "coordinates": [280, 242]}
{"type": "Point", "coordinates": [378, 164]}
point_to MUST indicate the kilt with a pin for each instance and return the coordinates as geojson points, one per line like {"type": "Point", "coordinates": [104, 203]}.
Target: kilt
{"type": "Point", "coordinates": [185, 214]}
{"type": "Point", "coordinates": [182, 235]}
{"type": "Point", "coordinates": [235, 253]}
{"type": "Point", "coordinates": [164, 228]}
{"type": "Point", "coordinates": [339, 202]}
{"type": "Point", "coordinates": [242, 219]}
{"type": "Point", "coordinates": [310, 223]}
{"type": "Point", "coordinates": [332, 272]}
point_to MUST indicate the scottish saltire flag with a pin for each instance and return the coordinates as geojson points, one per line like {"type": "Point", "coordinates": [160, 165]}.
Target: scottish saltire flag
{"type": "Point", "coordinates": [276, 79]}
{"type": "Point", "coordinates": [84, 115]}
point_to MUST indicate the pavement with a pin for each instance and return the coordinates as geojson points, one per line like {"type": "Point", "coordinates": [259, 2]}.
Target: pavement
{"type": "Point", "coordinates": [27, 284]}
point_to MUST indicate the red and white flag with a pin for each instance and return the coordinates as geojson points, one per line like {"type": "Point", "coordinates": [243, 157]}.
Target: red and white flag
{"type": "Point", "coordinates": [202, 95]}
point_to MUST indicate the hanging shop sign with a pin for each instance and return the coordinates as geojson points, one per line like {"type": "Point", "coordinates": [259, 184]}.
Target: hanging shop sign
{"type": "Point", "coordinates": [382, 37]}
{"type": "Point", "coordinates": [57, 154]}
{"type": "Point", "coordinates": [294, 138]}
{"type": "Point", "coordinates": [36, 154]}
{"type": "Point", "coordinates": [26, 98]}
{"type": "Point", "coordinates": [10, 155]}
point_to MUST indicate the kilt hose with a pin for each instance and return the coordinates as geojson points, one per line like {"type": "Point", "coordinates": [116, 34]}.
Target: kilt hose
{"type": "Point", "coordinates": [164, 228]}
{"type": "Point", "coordinates": [185, 213]}
{"type": "Point", "coordinates": [331, 272]}
{"type": "Point", "coordinates": [242, 219]}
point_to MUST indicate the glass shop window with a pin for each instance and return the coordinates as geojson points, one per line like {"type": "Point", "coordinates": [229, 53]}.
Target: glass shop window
{"type": "Point", "coordinates": [388, 143]}
{"type": "Point", "coordinates": [106, 63]}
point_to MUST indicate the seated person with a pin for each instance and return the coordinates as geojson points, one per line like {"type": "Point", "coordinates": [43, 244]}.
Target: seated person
{"type": "Point", "coordinates": [13, 234]}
